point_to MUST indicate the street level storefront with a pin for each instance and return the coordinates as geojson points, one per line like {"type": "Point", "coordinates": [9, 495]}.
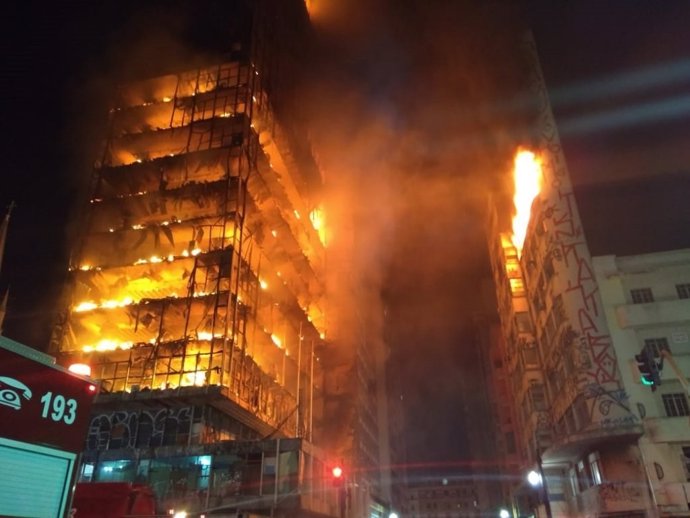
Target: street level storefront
{"type": "Point", "coordinates": [266, 477]}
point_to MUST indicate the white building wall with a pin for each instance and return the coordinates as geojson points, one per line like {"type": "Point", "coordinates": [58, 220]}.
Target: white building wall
{"type": "Point", "coordinates": [666, 317]}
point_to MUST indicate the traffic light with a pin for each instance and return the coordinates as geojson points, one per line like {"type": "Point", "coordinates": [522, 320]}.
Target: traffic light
{"type": "Point", "coordinates": [649, 368]}
{"type": "Point", "coordinates": [337, 472]}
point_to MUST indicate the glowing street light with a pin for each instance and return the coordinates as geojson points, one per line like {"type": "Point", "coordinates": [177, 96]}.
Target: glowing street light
{"type": "Point", "coordinates": [393, 515]}
{"type": "Point", "coordinates": [503, 513]}
{"type": "Point", "coordinates": [534, 478]}
{"type": "Point", "coordinates": [337, 472]}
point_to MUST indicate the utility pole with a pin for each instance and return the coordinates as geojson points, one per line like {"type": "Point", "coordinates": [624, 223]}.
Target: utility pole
{"type": "Point", "coordinates": [545, 488]}
{"type": "Point", "coordinates": [339, 483]}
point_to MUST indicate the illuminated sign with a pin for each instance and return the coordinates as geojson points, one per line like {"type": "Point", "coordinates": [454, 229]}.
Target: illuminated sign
{"type": "Point", "coordinates": [41, 403]}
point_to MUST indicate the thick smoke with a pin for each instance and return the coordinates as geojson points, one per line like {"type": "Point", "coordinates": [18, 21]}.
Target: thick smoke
{"type": "Point", "coordinates": [417, 113]}
{"type": "Point", "coordinates": [404, 120]}
{"type": "Point", "coordinates": [405, 105]}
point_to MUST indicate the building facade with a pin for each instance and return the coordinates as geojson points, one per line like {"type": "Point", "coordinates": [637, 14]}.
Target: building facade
{"type": "Point", "coordinates": [643, 302]}
{"type": "Point", "coordinates": [520, 379]}
{"type": "Point", "coordinates": [445, 498]}
{"type": "Point", "coordinates": [580, 430]}
{"type": "Point", "coordinates": [495, 433]}
{"type": "Point", "coordinates": [197, 293]}
{"type": "Point", "coordinates": [646, 300]}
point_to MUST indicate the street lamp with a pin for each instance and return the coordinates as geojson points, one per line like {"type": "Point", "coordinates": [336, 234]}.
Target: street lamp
{"type": "Point", "coordinates": [503, 513]}
{"type": "Point", "coordinates": [393, 515]}
{"type": "Point", "coordinates": [534, 478]}
{"type": "Point", "coordinates": [537, 479]}
{"type": "Point", "coordinates": [339, 485]}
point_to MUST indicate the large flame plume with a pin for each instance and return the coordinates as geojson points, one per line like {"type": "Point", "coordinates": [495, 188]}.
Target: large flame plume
{"type": "Point", "coordinates": [527, 175]}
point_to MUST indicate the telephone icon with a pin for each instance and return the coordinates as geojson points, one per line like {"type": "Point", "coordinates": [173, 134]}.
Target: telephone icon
{"type": "Point", "coordinates": [10, 391]}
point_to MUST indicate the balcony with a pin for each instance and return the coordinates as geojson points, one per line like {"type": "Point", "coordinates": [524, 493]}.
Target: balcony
{"type": "Point", "coordinates": [653, 313]}
{"type": "Point", "coordinates": [570, 446]}
{"type": "Point", "coordinates": [674, 497]}
{"type": "Point", "coordinates": [613, 497]}
{"type": "Point", "coordinates": [667, 429]}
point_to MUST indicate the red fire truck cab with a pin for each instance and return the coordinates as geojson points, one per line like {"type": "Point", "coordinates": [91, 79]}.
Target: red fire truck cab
{"type": "Point", "coordinates": [113, 500]}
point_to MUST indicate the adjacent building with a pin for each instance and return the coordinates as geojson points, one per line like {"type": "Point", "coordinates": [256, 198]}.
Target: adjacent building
{"type": "Point", "coordinates": [646, 299]}
{"type": "Point", "coordinates": [198, 299]}
{"type": "Point", "coordinates": [443, 498]}
{"type": "Point", "coordinates": [568, 349]}
{"type": "Point", "coordinates": [493, 437]}
{"type": "Point", "coordinates": [524, 428]}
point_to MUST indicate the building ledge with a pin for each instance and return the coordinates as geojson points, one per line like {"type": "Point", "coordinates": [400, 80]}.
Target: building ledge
{"type": "Point", "coordinates": [653, 313]}
{"type": "Point", "coordinates": [569, 447]}
{"type": "Point", "coordinates": [667, 429]}
{"type": "Point", "coordinates": [613, 497]}
{"type": "Point", "coordinates": [214, 395]}
{"type": "Point", "coordinates": [674, 497]}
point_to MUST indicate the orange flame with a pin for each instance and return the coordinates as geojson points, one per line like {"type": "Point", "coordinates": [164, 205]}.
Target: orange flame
{"type": "Point", "coordinates": [527, 175]}
{"type": "Point", "coordinates": [317, 218]}
{"type": "Point", "coordinates": [311, 7]}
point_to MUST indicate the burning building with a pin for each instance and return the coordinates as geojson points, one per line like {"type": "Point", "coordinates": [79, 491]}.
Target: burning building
{"type": "Point", "coordinates": [578, 430]}
{"type": "Point", "coordinates": [197, 295]}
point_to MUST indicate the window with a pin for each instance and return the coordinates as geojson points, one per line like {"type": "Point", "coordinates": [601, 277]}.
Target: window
{"type": "Point", "coordinates": [686, 461]}
{"type": "Point", "coordinates": [548, 268]}
{"type": "Point", "coordinates": [581, 411]}
{"type": "Point", "coordinates": [537, 396]}
{"type": "Point", "coordinates": [530, 354]}
{"type": "Point", "coordinates": [595, 467]}
{"type": "Point", "coordinates": [87, 471]}
{"type": "Point", "coordinates": [656, 345]}
{"type": "Point", "coordinates": [517, 287]}
{"type": "Point", "coordinates": [574, 486]}
{"type": "Point", "coordinates": [675, 404]}
{"type": "Point", "coordinates": [642, 295]}
{"type": "Point", "coordinates": [551, 326]}
{"type": "Point", "coordinates": [683, 291]}
{"type": "Point", "coordinates": [524, 323]}
{"type": "Point", "coordinates": [583, 479]}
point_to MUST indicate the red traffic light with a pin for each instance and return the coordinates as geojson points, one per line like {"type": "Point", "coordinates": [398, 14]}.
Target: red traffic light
{"type": "Point", "coordinates": [337, 472]}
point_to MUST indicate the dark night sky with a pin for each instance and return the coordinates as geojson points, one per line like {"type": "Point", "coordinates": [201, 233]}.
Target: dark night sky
{"type": "Point", "coordinates": [599, 58]}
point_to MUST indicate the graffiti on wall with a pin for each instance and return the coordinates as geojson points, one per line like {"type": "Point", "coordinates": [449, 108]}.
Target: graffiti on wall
{"type": "Point", "coordinates": [620, 496]}
{"type": "Point", "coordinates": [139, 429]}
{"type": "Point", "coordinates": [589, 346]}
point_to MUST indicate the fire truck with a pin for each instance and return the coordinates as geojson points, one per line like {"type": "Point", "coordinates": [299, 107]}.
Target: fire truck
{"type": "Point", "coordinates": [113, 500]}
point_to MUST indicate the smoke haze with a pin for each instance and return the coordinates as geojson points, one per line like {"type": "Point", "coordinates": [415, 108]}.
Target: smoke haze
{"type": "Point", "coordinates": [403, 105]}
{"type": "Point", "coordinates": [413, 112]}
